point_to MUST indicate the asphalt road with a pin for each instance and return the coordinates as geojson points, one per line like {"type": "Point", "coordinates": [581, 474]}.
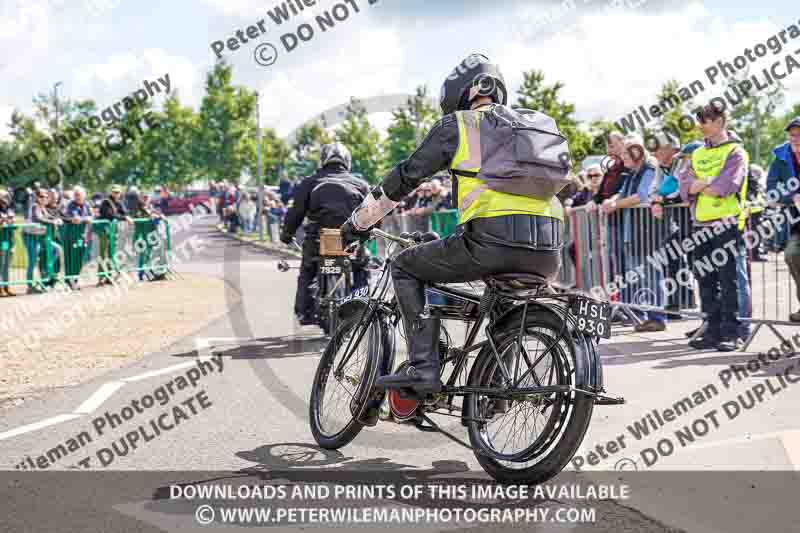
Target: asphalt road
{"type": "Point", "coordinates": [245, 410]}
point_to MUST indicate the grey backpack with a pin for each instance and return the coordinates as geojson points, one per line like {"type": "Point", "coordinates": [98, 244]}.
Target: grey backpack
{"type": "Point", "coordinates": [522, 152]}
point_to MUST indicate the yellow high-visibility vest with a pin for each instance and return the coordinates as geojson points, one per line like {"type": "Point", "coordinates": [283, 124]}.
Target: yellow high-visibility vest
{"type": "Point", "coordinates": [475, 198]}
{"type": "Point", "coordinates": [707, 164]}
{"type": "Point", "coordinates": [757, 205]}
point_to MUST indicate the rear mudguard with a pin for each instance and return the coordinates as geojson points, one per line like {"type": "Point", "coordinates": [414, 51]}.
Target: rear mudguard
{"type": "Point", "coordinates": [588, 367]}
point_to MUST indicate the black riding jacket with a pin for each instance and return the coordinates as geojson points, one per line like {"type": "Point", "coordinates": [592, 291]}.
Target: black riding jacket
{"type": "Point", "coordinates": [435, 154]}
{"type": "Point", "coordinates": [327, 198]}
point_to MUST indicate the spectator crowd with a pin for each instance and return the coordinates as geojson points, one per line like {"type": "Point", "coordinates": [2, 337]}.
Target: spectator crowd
{"type": "Point", "coordinates": [725, 199]}
{"type": "Point", "coordinates": [238, 208]}
{"type": "Point", "coordinates": [70, 219]}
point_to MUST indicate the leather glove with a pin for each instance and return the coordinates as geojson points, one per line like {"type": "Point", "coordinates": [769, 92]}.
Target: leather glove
{"type": "Point", "coordinates": [350, 234]}
{"type": "Point", "coordinates": [286, 238]}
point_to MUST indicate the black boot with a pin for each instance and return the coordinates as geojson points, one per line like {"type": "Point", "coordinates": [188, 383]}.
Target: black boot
{"type": "Point", "coordinates": [422, 375]}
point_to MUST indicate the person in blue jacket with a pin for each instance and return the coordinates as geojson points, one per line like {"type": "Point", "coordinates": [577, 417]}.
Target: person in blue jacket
{"type": "Point", "coordinates": [784, 178]}
{"type": "Point", "coordinates": [675, 221]}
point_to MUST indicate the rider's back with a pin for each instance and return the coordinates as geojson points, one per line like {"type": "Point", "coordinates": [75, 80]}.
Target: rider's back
{"type": "Point", "coordinates": [334, 197]}
{"type": "Point", "coordinates": [326, 199]}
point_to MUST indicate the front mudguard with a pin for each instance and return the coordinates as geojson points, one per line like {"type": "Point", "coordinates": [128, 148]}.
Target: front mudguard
{"type": "Point", "coordinates": [367, 397]}
{"type": "Point", "coordinates": [588, 367]}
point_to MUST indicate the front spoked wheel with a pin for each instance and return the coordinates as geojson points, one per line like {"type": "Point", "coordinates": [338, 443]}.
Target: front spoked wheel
{"type": "Point", "coordinates": [343, 381]}
{"type": "Point", "coordinates": [527, 438]}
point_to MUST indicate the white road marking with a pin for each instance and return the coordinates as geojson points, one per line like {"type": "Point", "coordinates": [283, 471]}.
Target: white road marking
{"type": "Point", "coordinates": [791, 443]}
{"type": "Point", "coordinates": [47, 422]}
{"type": "Point", "coordinates": [107, 390]}
{"type": "Point", "coordinates": [101, 395]}
{"type": "Point", "coordinates": [160, 372]}
{"type": "Point", "coordinates": [790, 439]}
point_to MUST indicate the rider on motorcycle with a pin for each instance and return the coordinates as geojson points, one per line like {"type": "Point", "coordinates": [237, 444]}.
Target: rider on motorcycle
{"type": "Point", "coordinates": [498, 232]}
{"type": "Point", "coordinates": [327, 198]}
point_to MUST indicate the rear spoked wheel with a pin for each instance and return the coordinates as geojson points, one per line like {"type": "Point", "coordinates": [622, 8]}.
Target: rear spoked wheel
{"type": "Point", "coordinates": [527, 438]}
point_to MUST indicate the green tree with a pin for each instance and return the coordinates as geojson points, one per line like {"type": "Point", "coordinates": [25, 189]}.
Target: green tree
{"type": "Point", "coordinates": [274, 156]}
{"type": "Point", "coordinates": [363, 140]}
{"type": "Point", "coordinates": [305, 150]}
{"type": "Point", "coordinates": [41, 154]}
{"type": "Point", "coordinates": [409, 124]}
{"type": "Point", "coordinates": [25, 162]}
{"type": "Point", "coordinates": [673, 121]}
{"type": "Point", "coordinates": [775, 134]}
{"type": "Point", "coordinates": [535, 94]}
{"type": "Point", "coordinates": [225, 133]}
{"type": "Point", "coordinates": [750, 118]}
{"type": "Point", "coordinates": [170, 154]}
{"type": "Point", "coordinates": [131, 162]}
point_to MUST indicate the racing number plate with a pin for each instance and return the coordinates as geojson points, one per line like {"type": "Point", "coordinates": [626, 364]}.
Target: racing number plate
{"type": "Point", "coordinates": [592, 317]}
{"type": "Point", "coordinates": [332, 265]}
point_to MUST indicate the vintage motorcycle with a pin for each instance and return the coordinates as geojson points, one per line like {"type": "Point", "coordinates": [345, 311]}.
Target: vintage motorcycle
{"type": "Point", "coordinates": [526, 398]}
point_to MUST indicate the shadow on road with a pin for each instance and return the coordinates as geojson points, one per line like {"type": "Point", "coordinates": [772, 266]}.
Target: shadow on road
{"type": "Point", "coordinates": [634, 352]}
{"type": "Point", "coordinates": [277, 348]}
{"type": "Point", "coordinates": [274, 458]}
{"type": "Point", "coordinates": [283, 347]}
{"type": "Point", "coordinates": [678, 354]}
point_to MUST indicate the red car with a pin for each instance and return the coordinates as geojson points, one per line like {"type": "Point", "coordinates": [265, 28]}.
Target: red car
{"type": "Point", "coordinates": [184, 202]}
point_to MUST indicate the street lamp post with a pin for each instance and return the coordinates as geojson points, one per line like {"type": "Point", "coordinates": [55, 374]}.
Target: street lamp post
{"type": "Point", "coordinates": [58, 146]}
{"type": "Point", "coordinates": [259, 179]}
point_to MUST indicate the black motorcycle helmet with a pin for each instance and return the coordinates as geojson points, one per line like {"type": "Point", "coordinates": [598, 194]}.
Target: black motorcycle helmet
{"type": "Point", "coordinates": [475, 76]}
{"type": "Point", "coordinates": [335, 153]}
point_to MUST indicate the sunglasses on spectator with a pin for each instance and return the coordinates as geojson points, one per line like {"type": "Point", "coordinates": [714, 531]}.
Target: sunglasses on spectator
{"type": "Point", "coordinates": [594, 175]}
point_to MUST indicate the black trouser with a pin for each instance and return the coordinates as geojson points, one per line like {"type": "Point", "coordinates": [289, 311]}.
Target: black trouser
{"type": "Point", "coordinates": [792, 258]}
{"type": "Point", "coordinates": [466, 255]}
{"type": "Point", "coordinates": [755, 221]}
{"type": "Point", "coordinates": [718, 282]}
{"type": "Point", "coordinates": [309, 267]}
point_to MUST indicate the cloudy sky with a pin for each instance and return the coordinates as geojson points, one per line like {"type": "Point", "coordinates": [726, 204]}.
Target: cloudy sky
{"type": "Point", "coordinates": [611, 55]}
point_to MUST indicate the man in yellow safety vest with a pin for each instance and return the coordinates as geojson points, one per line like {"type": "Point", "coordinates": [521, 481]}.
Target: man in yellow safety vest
{"type": "Point", "coordinates": [716, 184]}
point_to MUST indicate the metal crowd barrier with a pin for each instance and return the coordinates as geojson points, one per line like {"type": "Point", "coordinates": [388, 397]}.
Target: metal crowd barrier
{"type": "Point", "coordinates": [145, 247]}
{"type": "Point", "coordinates": [636, 260]}
{"type": "Point", "coordinates": [774, 293]}
{"type": "Point", "coordinates": [630, 257]}
{"type": "Point", "coordinates": [36, 255]}
{"type": "Point", "coordinates": [638, 263]}
{"type": "Point", "coordinates": [23, 247]}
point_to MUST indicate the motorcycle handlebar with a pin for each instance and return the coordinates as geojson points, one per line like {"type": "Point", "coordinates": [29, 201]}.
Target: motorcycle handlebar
{"type": "Point", "coordinates": [405, 243]}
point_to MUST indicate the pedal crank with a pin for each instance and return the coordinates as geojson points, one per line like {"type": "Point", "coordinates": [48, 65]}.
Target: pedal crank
{"type": "Point", "coordinates": [434, 427]}
{"type": "Point", "coordinates": [602, 399]}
